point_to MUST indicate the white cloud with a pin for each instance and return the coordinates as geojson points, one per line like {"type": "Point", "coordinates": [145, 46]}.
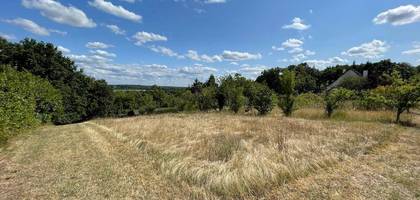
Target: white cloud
{"type": "Point", "coordinates": [149, 74]}
{"type": "Point", "coordinates": [374, 49]}
{"type": "Point", "coordinates": [61, 14]}
{"type": "Point", "coordinates": [292, 43]}
{"type": "Point", "coordinates": [193, 55]}
{"type": "Point", "coordinates": [112, 9]}
{"type": "Point", "coordinates": [115, 29]}
{"type": "Point", "coordinates": [415, 50]}
{"type": "Point", "coordinates": [7, 36]}
{"type": "Point", "coordinates": [296, 50]}
{"type": "Point", "coordinates": [239, 56]}
{"type": "Point", "coordinates": [298, 24]}
{"type": "Point", "coordinates": [214, 1]}
{"type": "Point", "coordinates": [103, 53]}
{"type": "Point", "coordinates": [130, 1]}
{"type": "Point", "coordinates": [275, 48]}
{"type": "Point", "coordinates": [30, 26]}
{"type": "Point", "coordinates": [310, 53]}
{"type": "Point", "coordinates": [399, 16]}
{"type": "Point", "coordinates": [97, 45]}
{"type": "Point", "coordinates": [197, 70]}
{"type": "Point", "coordinates": [144, 37]}
{"type": "Point", "coordinates": [252, 71]}
{"type": "Point", "coordinates": [165, 51]}
{"type": "Point", "coordinates": [63, 49]}
{"type": "Point", "coordinates": [322, 64]}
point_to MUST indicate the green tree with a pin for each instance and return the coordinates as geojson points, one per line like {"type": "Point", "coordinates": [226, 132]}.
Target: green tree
{"type": "Point", "coordinates": [237, 100]}
{"type": "Point", "coordinates": [287, 99]}
{"type": "Point", "coordinates": [401, 95]}
{"type": "Point", "coordinates": [207, 99]}
{"type": "Point", "coordinates": [25, 101]}
{"type": "Point", "coordinates": [45, 61]}
{"type": "Point", "coordinates": [334, 99]}
{"type": "Point", "coordinates": [264, 100]}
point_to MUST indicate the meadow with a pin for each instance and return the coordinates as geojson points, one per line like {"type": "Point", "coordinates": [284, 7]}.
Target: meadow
{"type": "Point", "coordinates": [218, 155]}
{"type": "Point", "coordinates": [247, 156]}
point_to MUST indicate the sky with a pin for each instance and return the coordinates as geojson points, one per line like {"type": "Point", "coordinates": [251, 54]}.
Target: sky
{"type": "Point", "coordinates": [173, 42]}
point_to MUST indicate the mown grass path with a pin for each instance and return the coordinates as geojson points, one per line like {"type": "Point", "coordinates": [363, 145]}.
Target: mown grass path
{"type": "Point", "coordinates": [85, 161]}
{"type": "Point", "coordinates": [77, 162]}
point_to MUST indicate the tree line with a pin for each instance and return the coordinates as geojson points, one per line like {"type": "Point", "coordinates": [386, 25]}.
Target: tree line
{"type": "Point", "coordinates": [40, 85]}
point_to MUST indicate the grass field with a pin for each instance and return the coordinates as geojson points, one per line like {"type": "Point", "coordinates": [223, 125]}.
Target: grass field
{"type": "Point", "coordinates": [357, 155]}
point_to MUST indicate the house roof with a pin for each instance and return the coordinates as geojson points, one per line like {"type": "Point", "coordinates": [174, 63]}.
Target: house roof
{"type": "Point", "coordinates": [347, 74]}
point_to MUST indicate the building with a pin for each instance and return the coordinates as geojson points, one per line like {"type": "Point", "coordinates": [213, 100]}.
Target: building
{"type": "Point", "coordinates": [347, 74]}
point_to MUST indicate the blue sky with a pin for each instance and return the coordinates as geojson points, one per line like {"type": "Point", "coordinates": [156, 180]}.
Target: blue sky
{"type": "Point", "coordinates": [172, 42]}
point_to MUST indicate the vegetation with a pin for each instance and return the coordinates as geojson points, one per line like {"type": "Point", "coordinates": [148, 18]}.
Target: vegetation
{"type": "Point", "coordinates": [25, 101]}
{"type": "Point", "coordinates": [335, 98]}
{"type": "Point", "coordinates": [288, 84]}
{"type": "Point", "coordinates": [83, 97]}
{"type": "Point", "coordinates": [401, 95]}
{"type": "Point", "coordinates": [354, 153]}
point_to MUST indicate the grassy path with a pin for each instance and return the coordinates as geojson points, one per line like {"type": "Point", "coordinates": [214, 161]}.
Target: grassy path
{"type": "Point", "coordinates": [87, 161]}
{"type": "Point", "coordinates": [77, 161]}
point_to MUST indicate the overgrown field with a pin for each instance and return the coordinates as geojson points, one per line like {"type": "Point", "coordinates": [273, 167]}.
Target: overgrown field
{"type": "Point", "coordinates": [217, 156]}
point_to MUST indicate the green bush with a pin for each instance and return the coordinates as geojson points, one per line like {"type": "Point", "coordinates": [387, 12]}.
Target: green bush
{"type": "Point", "coordinates": [335, 98]}
{"type": "Point", "coordinates": [25, 101]}
{"type": "Point", "coordinates": [288, 85]}
{"type": "Point", "coordinates": [309, 100]}
{"type": "Point", "coordinates": [264, 100]}
{"type": "Point", "coordinates": [237, 100]}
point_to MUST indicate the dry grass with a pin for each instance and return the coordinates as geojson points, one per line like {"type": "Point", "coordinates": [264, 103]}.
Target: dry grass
{"type": "Point", "coordinates": [352, 115]}
{"type": "Point", "coordinates": [214, 156]}
{"type": "Point", "coordinates": [240, 156]}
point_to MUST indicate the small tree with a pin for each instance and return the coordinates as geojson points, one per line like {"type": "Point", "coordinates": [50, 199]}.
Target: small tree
{"type": "Point", "coordinates": [237, 101]}
{"type": "Point", "coordinates": [401, 95]}
{"type": "Point", "coordinates": [288, 84]}
{"type": "Point", "coordinates": [263, 100]}
{"type": "Point", "coordinates": [334, 98]}
{"type": "Point", "coordinates": [207, 99]}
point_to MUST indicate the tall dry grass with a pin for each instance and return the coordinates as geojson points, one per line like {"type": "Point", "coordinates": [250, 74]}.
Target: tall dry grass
{"type": "Point", "coordinates": [241, 156]}
{"type": "Point", "coordinates": [385, 116]}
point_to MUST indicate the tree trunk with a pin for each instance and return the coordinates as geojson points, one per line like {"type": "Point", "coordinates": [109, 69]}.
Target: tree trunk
{"type": "Point", "coordinates": [399, 111]}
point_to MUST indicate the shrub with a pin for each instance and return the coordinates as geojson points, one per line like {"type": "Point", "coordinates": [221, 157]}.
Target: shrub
{"type": "Point", "coordinates": [237, 101]}
{"type": "Point", "coordinates": [25, 101]}
{"type": "Point", "coordinates": [354, 83]}
{"type": "Point", "coordinates": [401, 95]}
{"type": "Point", "coordinates": [309, 100]}
{"type": "Point", "coordinates": [264, 100]}
{"type": "Point", "coordinates": [207, 99]}
{"type": "Point", "coordinates": [372, 100]}
{"type": "Point", "coordinates": [287, 99]}
{"type": "Point", "coordinates": [335, 98]}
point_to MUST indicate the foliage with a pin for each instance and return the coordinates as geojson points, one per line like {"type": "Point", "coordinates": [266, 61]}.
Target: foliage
{"type": "Point", "coordinates": [372, 100]}
{"type": "Point", "coordinates": [232, 89]}
{"type": "Point", "coordinates": [401, 95]}
{"type": "Point", "coordinates": [83, 97]}
{"type": "Point", "coordinates": [288, 84]}
{"type": "Point", "coordinates": [309, 100]}
{"type": "Point", "coordinates": [207, 98]}
{"type": "Point", "coordinates": [237, 100]}
{"type": "Point", "coordinates": [334, 99]}
{"type": "Point", "coordinates": [306, 78]}
{"type": "Point", "coordinates": [25, 101]}
{"type": "Point", "coordinates": [264, 100]}
{"type": "Point", "coordinates": [354, 83]}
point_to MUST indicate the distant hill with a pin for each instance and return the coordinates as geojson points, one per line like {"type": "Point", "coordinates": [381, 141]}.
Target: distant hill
{"type": "Point", "coordinates": [144, 87]}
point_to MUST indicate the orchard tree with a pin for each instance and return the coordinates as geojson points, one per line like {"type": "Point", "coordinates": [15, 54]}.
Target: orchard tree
{"type": "Point", "coordinates": [401, 95]}
{"type": "Point", "coordinates": [264, 99]}
{"type": "Point", "coordinates": [335, 98]}
{"type": "Point", "coordinates": [287, 98]}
